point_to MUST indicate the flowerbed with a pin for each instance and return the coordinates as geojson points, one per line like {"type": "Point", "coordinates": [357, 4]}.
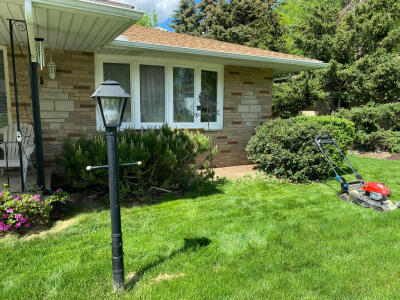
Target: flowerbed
{"type": "Point", "coordinates": [19, 212]}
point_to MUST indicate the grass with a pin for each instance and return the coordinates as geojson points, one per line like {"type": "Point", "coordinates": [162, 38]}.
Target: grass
{"type": "Point", "coordinates": [244, 239]}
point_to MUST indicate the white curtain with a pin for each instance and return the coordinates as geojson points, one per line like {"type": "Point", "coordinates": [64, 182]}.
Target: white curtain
{"type": "Point", "coordinates": [152, 94]}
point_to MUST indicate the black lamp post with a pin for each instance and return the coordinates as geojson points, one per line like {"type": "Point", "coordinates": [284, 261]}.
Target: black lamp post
{"type": "Point", "coordinates": [112, 102]}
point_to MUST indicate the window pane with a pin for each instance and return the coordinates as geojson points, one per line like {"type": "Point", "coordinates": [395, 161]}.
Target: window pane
{"type": "Point", "coordinates": [183, 95]}
{"type": "Point", "coordinates": [152, 94]}
{"type": "Point", "coordinates": [3, 93]}
{"type": "Point", "coordinates": [122, 74]}
{"type": "Point", "coordinates": [209, 89]}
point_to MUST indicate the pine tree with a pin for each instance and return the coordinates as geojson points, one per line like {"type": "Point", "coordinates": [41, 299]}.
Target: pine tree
{"type": "Point", "coordinates": [361, 41]}
{"type": "Point", "coordinates": [186, 18]}
{"type": "Point", "coordinates": [246, 22]}
{"type": "Point", "coordinates": [206, 12]}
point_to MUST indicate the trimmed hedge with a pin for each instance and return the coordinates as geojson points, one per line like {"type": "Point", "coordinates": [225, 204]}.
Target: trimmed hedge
{"type": "Point", "coordinates": [377, 126]}
{"type": "Point", "coordinates": [167, 155]}
{"type": "Point", "coordinates": [285, 148]}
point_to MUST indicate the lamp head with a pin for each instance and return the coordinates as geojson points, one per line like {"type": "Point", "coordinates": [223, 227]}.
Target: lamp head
{"type": "Point", "coordinates": [112, 99]}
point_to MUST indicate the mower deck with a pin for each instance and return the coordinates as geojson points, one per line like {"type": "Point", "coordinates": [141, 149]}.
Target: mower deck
{"type": "Point", "coordinates": [358, 196]}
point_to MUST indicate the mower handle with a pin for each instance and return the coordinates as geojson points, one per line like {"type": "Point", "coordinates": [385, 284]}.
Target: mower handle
{"type": "Point", "coordinates": [326, 138]}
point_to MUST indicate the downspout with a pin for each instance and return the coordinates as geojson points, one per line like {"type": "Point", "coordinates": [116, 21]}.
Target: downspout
{"type": "Point", "coordinates": [37, 128]}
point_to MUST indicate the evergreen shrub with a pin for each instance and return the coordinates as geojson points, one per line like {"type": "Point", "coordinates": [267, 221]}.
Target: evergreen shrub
{"type": "Point", "coordinates": [285, 148]}
{"type": "Point", "coordinates": [168, 159]}
{"type": "Point", "coordinates": [377, 126]}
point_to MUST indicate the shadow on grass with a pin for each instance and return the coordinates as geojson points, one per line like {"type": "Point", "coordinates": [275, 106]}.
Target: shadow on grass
{"type": "Point", "coordinates": [201, 190]}
{"type": "Point", "coordinates": [188, 245]}
{"type": "Point", "coordinates": [86, 203]}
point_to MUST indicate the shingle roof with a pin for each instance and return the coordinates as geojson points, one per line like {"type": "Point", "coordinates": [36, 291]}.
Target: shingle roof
{"type": "Point", "coordinates": [154, 36]}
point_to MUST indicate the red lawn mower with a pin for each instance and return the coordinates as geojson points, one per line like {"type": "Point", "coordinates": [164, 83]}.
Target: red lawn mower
{"type": "Point", "coordinates": [366, 194]}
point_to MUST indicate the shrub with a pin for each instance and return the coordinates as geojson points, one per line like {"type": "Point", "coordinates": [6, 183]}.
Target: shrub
{"type": "Point", "coordinates": [22, 211]}
{"type": "Point", "coordinates": [377, 126]}
{"type": "Point", "coordinates": [285, 148]}
{"type": "Point", "coordinates": [371, 118]}
{"type": "Point", "coordinates": [381, 140]}
{"type": "Point", "coordinates": [167, 155]}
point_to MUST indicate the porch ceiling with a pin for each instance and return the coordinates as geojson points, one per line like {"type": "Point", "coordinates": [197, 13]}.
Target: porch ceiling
{"type": "Point", "coordinates": [75, 25]}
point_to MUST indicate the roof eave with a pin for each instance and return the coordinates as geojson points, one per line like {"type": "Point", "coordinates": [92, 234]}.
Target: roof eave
{"type": "Point", "coordinates": [92, 7]}
{"type": "Point", "coordinates": [274, 60]}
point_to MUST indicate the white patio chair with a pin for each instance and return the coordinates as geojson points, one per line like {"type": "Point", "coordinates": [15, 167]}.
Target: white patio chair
{"type": "Point", "coordinates": [9, 134]}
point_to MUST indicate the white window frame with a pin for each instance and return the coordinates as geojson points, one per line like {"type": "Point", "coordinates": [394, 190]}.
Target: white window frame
{"type": "Point", "coordinates": [168, 64]}
{"type": "Point", "coordinates": [7, 83]}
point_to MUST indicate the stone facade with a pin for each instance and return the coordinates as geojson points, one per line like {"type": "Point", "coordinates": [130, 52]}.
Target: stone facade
{"type": "Point", "coordinates": [247, 103]}
{"type": "Point", "coordinates": [67, 110]}
{"type": "Point", "coordinates": [65, 105]}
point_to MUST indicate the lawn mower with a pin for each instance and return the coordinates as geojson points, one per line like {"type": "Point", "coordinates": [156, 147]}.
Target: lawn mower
{"type": "Point", "coordinates": [366, 194]}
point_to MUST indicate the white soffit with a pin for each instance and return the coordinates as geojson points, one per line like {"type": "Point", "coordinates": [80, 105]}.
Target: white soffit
{"type": "Point", "coordinates": [75, 25]}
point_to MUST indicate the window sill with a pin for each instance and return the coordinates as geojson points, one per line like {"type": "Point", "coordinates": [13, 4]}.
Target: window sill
{"type": "Point", "coordinates": [205, 128]}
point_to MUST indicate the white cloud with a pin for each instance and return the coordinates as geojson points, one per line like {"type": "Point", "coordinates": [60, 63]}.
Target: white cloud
{"type": "Point", "coordinates": [164, 8]}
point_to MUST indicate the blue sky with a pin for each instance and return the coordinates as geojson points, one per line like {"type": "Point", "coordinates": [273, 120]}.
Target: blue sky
{"type": "Point", "coordinates": [164, 8]}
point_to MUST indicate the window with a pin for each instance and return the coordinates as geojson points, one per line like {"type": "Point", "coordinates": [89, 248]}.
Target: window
{"type": "Point", "coordinates": [165, 91]}
{"type": "Point", "coordinates": [183, 88]}
{"type": "Point", "coordinates": [4, 92]}
{"type": "Point", "coordinates": [152, 94]}
{"type": "Point", "coordinates": [209, 88]}
{"type": "Point", "coordinates": [121, 74]}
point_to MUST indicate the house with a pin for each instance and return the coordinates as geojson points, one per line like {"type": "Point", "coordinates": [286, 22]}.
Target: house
{"type": "Point", "coordinates": [93, 40]}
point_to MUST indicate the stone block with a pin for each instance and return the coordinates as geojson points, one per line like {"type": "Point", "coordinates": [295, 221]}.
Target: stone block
{"type": "Point", "coordinates": [46, 105]}
{"type": "Point", "coordinates": [55, 126]}
{"type": "Point", "coordinates": [54, 115]}
{"type": "Point", "coordinates": [255, 108]}
{"type": "Point", "coordinates": [243, 108]}
{"type": "Point", "coordinates": [249, 116]}
{"type": "Point", "coordinates": [52, 84]}
{"type": "Point", "coordinates": [249, 101]}
{"type": "Point", "coordinates": [53, 96]}
{"type": "Point", "coordinates": [66, 105]}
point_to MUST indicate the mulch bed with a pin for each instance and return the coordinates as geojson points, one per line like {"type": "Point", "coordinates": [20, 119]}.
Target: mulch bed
{"type": "Point", "coordinates": [235, 171]}
{"type": "Point", "coordinates": [379, 155]}
{"type": "Point", "coordinates": [240, 171]}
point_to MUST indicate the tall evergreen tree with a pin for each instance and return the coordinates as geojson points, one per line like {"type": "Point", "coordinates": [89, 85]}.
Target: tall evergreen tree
{"type": "Point", "coordinates": [246, 22]}
{"type": "Point", "coordinates": [206, 12]}
{"type": "Point", "coordinates": [361, 40]}
{"type": "Point", "coordinates": [186, 18]}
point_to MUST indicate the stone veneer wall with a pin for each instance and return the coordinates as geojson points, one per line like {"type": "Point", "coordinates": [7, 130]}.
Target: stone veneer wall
{"type": "Point", "coordinates": [67, 110]}
{"type": "Point", "coordinates": [65, 105]}
{"type": "Point", "coordinates": [247, 103]}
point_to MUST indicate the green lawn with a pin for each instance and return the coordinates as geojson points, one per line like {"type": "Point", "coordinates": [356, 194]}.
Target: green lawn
{"type": "Point", "coordinates": [243, 239]}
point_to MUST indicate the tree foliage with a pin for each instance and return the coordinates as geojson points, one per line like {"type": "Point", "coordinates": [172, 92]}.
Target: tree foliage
{"type": "Point", "coordinates": [247, 22]}
{"type": "Point", "coordinates": [149, 19]}
{"type": "Point", "coordinates": [185, 18]}
{"type": "Point", "coordinates": [360, 39]}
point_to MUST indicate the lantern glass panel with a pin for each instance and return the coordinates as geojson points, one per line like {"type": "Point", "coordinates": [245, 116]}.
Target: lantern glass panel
{"type": "Point", "coordinates": [112, 109]}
